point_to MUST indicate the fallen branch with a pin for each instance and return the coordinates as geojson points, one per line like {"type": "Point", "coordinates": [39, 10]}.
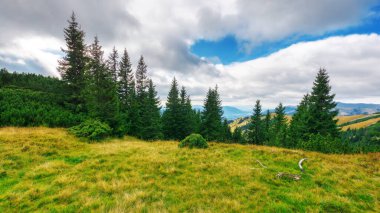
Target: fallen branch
{"type": "Point", "coordinates": [261, 164]}
{"type": "Point", "coordinates": [284, 175]}
{"type": "Point", "coordinates": [300, 164]}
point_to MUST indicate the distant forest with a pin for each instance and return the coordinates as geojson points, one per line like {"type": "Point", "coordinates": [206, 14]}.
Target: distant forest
{"type": "Point", "coordinates": [108, 94]}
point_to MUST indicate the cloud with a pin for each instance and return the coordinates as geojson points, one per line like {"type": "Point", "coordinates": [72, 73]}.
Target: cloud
{"type": "Point", "coordinates": [163, 31]}
{"type": "Point", "coordinates": [33, 54]}
{"type": "Point", "coordinates": [351, 61]}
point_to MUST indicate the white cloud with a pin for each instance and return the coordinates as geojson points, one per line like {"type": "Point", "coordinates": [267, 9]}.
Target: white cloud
{"type": "Point", "coordinates": [163, 31]}
{"type": "Point", "coordinates": [42, 52]}
{"type": "Point", "coordinates": [351, 61]}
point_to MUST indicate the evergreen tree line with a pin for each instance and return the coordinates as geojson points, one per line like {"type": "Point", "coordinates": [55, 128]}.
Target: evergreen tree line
{"type": "Point", "coordinates": [312, 127]}
{"type": "Point", "coordinates": [108, 90]}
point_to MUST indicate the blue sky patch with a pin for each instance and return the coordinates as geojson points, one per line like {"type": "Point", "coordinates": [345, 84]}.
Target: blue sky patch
{"type": "Point", "coordinates": [228, 49]}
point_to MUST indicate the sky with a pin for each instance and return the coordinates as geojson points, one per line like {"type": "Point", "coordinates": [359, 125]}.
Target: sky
{"type": "Point", "coordinates": [251, 49]}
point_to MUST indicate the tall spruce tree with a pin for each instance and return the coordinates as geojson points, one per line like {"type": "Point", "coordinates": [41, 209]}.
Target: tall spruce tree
{"type": "Point", "coordinates": [267, 126]}
{"type": "Point", "coordinates": [299, 125]}
{"type": "Point", "coordinates": [322, 107]}
{"type": "Point", "coordinates": [72, 65]}
{"type": "Point", "coordinates": [237, 136]}
{"type": "Point", "coordinates": [152, 128]}
{"type": "Point", "coordinates": [126, 91]}
{"type": "Point", "coordinates": [101, 93]}
{"type": "Point", "coordinates": [256, 133]}
{"type": "Point", "coordinates": [197, 118]}
{"type": "Point", "coordinates": [279, 128]}
{"type": "Point", "coordinates": [211, 127]}
{"type": "Point", "coordinates": [142, 83]}
{"type": "Point", "coordinates": [186, 116]}
{"type": "Point", "coordinates": [126, 82]}
{"type": "Point", "coordinates": [113, 64]}
{"type": "Point", "coordinates": [171, 117]}
{"type": "Point", "coordinates": [227, 134]}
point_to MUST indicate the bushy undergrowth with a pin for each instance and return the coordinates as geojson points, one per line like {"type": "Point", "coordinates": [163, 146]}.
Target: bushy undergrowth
{"type": "Point", "coordinates": [24, 107]}
{"type": "Point", "coordinates": [194, 141]}
{"type": "Point", "coordinates": [92, 130]}
{"type": "Point", "coordinates": [340, 145]}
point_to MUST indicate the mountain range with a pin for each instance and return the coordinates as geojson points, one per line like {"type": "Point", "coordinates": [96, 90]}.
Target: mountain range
{"type": "Point", "coordinates": [232, 113]}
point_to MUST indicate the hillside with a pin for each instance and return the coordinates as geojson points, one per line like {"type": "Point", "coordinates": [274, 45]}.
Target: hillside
{"type": "Point", "coordinates": [349, 121]}
{"type": "Point", "coordinates": [345, 109]}
{"type": "Point", "coordinates": [244, 122]}
{"type": "Point", "coordinates": [362, 124]}
{"type": "Point", "coordinates": [44, 169]}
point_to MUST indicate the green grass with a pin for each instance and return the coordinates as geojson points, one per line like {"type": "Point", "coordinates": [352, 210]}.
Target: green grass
{"type": "Point", "coordinates": [44, 169]}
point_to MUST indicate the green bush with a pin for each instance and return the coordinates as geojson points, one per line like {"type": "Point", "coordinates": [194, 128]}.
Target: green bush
{"type": "Point", "coordinates": [194, 141]}
{"type": "Point", "coordinates": [92, 130]}
{"type": "Point", "coordinates": [25, 107]}
{"type": "Point", "coordinates": [325, 144]}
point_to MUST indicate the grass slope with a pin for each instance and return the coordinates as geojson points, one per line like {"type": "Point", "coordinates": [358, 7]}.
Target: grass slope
{"type": "Point", "coordinates": [44, 169]}
{"type": "Point", "coordinates": [361, 124]}
{"type": "Point", "coordinates": [347, 118]}
{"type": "Point", "coordinates": [346, 121]}
{"type": "Point", "coordinates": [245, 122]}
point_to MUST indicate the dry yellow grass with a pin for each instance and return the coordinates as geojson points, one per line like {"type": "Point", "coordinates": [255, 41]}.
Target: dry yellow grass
{"type": "Point", "coordinates": [341, 120]}
{"type": "Point", "coordinates": [361, 124]}
{"type": "Point", "coordinates": [244, 122]}
{"type": "Point", "coordinates": [47, 170]}
{"type": "Point", "coordinates": [348, 118]}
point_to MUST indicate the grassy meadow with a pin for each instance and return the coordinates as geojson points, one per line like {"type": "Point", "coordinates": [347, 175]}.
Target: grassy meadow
{"type": "Point", "coordinates": [46, 169]}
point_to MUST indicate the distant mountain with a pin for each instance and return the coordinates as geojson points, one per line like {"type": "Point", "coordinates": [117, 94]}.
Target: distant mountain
{"type": "Point", "coordinates": [345, 109]}
{"type": "Point", "coordinates": [357, 108]}
{"type": "Point", "coordinates": [230, 112]}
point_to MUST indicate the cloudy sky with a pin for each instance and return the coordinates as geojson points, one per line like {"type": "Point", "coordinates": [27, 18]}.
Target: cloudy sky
{"type": "Point", "coordinates": [253, 49]}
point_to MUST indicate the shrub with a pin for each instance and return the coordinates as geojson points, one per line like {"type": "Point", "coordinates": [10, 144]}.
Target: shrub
{"type": "Point", "coordinates": [93, 130]}
{"type": "Point", "coordinates": [325, 144]}
{"type": "Point", "coordinates": [194, 141]}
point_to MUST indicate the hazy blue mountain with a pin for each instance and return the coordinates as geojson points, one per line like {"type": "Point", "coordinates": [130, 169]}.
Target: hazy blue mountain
{"type": "Point", "coordinates": [346, 108]}
{"type": "Point", "coordinates": [357, 108]}
{"type": "Point", "coordinates": [232, 113]}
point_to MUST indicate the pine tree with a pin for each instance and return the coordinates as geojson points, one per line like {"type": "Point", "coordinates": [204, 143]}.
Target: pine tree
{"type": "Point", "coordinates": [186, 115]}
{"type": "Point", "coordinates": [299, 126]}
{"type": "Point", "coordinates": [72, 65]}
{"type": "Point", "coordinates": [256, 133]}
{"type": "Point", "coordinates": [127, 94]}
{"type": "Point", "coordinates": [211, 127]}
{"type": "Point", "coordinates": [237, 136]}
{"type": "Point", "coordinates": [101, 93]}
{"type": "Point", "coordinates": [279, 129]}
{"type": "Point", "coordinates": [113, 64]}
{"type": "Point", "coordinates": [227, 134]}
{"type": "Point", "coordinates": [142, 83]}
{"type": "Point", "coordinates": [172, 115]}
{"type": "Point", "coordinates": [126, 81]}
{"type": "Point", "coordinates": [152, 129]}
{"type": "Point", "coordinates": [141, 79]}
{"type": "Point", "coordinates": [197, 119]}
{"type": "Point", "coordinates": [322, 107]}
{"type": "Point", "coordinates": [267, 126]}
